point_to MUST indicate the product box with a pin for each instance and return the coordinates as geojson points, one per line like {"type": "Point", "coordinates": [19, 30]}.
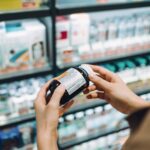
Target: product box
{"type": "Point", "coordinates": [16, 49]}
{"type": "Point", "coordinates": [85, 52]}
{"type": "Point", "coordinates": [62, 32]}
{"type": "Point", "coordinates": [18, 4]}
{"type": "Point", "coordinates": [36, 33]}
{"type": "Point", "coordinates": [80, 26]}
{"type": "Point", "coordinates": [66, 55]}
{"type": "Point", "coordinates": [2, 45]}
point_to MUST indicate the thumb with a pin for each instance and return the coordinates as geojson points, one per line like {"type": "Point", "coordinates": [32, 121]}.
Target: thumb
{"type": "Point", "coordinates": [57, 95]}
{"type": "Point", "coordinates": [99, 82]}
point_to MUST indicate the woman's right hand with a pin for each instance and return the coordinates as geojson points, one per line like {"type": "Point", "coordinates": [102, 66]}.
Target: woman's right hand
{"type": "Point", "coordinates": [109, 86]}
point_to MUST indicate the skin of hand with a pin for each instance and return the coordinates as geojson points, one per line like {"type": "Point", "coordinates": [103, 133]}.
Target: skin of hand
{"type": "Point", "coordinates": [110, 87]}
{"type": "Point", "coordinates": [47, 117]}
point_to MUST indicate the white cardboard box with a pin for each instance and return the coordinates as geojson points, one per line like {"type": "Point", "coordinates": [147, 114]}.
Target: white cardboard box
{"type": "Point", "coordinates": [36, 32]}
{"type": "Point", "coordinates": [16, 47]}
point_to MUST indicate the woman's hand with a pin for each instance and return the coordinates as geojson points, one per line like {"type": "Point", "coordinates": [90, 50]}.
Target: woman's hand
{"type": "Point", "coordinates": [47, 117]}
{"type": "Point", "coordinates": [110, 87]}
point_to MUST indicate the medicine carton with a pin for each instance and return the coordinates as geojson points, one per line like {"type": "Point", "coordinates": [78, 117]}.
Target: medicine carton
{"type": "Point", "coordinates": [62, 32]}
{"type": "Point", "coordinates": [36, 32]}
{"type": "Point", "coordinates": [80, 26]}
{"type": "Point", "coordinates": [16, 50]}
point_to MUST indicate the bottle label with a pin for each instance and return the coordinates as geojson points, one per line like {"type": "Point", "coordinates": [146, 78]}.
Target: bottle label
{"type": "Point", "coordinates": [72, 80]}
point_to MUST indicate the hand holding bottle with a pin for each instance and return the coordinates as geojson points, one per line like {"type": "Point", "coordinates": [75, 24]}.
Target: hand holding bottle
{"type": "Point", "coordinates": [47, 116]}
{"type": "Point", "coordinates": [109, 86]}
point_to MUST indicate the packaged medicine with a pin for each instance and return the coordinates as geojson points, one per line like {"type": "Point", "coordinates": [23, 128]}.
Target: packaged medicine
{"type": "Point", "coordinates": [36, 32]}
{"type": "Point", "coordinates": [80, 25]}
{"type": "Point", "coordinates": [62, 32]}
{"type": "Point", "coordinates": [75, 80]}
{"type": "Point", "coordinates": [17, 51]}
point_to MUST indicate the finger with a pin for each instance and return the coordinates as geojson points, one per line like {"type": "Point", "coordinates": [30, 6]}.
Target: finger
{"type": "Point", "coordinates": [63, 109]}
{"type": "Point", "coordinates": [102, 71]}
{"type": "Point", "coordinates": [99, 82]}
{"type": "Point", "coordinates": [96, 95]}
{"type": "Point", "coordinates": [57, 95]}
{"type": "Point", "coordinates": [89, 89]}
{"type": "Point", "coordinates": [43, 91]}
{"type": "Point", "coordinates": [41, 99]}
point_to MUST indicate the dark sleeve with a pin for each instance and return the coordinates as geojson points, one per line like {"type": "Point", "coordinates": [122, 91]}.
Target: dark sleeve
{"type": "Point", "coordinates": [139, 123]}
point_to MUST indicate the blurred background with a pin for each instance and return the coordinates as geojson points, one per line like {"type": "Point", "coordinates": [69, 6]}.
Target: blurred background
{"type": "Point", "coordinates": [39, 39]}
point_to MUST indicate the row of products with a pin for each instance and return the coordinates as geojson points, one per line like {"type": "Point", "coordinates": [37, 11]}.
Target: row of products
{"type": "Point", "coordinates": [110, 142]}
{"type": "Point", "coordinates": [17, 98]}
{"type": "Point", "coordinates": [89, 122]}
{"type": "Point", "coordinates": [87, 36]}
{"type": "Point", "coordinates": [78, 125]}
{"type": "Point", "coordinates": [131, 70]}
{"type": "Point", "coordinates": [6, 5]}
{"type": "Point", "coordinates": [23, 45]}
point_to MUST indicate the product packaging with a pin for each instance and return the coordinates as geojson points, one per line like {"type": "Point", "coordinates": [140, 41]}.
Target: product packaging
{"type": "Point", "coordinates": [36, 33]}
{"type": "Point", "coordinates": [62, 32]}
{"type": "Point", "coordinates": [80, 25]}
{"type": "Point", "coordinates": [17, 51]}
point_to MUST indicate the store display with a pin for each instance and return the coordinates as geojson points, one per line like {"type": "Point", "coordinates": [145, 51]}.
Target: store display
{"type": "Point", "coordinates": [75, 80]}
{"type": "Point", "coordinates": [85, 122]}
{"type": "Point", "coordinates": [89, 122]}
{"type": "Point", "coordinates": [17, 98]}
{"type": "Point", "coordinates": [102, 38]}
{"type": "Point", "coordinates": [23, 45]}
{"type": "Point", "coordinates": [105, 36]}
{"type": "Point", "coordinates": [111, 142]}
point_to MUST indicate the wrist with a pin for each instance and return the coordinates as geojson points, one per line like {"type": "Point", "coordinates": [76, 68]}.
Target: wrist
{"type": "Point", "coordinates": [139, 103]}
{"type": "Point", "coordinates": [50, 133]}
{"type": "Point", "coordinates": [45, 140]}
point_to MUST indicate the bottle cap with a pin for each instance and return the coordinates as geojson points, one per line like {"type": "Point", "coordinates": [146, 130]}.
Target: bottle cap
{"type": "Point", "coordinates": [79, 115]}
{"type": "Point", "coordinates": [70, 117]}
{"type": "Point", "coordinates": [87, 68]}
{"type": "Point", "coordinates": [108, 107]}
{"type": "Point", "coordinates": [61, 120]}
{"type": "Point", "coordinates": [98, 109]}
{"type": "Point", "coordinates": [89, 112]}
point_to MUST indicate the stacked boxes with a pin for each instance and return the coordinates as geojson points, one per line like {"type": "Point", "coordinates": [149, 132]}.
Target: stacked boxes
{"type": "Point", "coordinates": [23, 45]}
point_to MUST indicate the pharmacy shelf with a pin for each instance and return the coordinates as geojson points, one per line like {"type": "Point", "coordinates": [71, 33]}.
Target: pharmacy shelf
{"type": "Point", "coordinates": [66, 10]}
{"type": "Point", "coordinates": [107, 59]}
{"type": "Point", "coordinates": [86, 106]}
{"type": "Point", "coordinates": [13, 121]}
{"type": "Point", "coordinates": [23, 14]}
{"type": "Point", "coordinates": [20, 75]}
{"type": "Point", "coordinates": [89, 137]}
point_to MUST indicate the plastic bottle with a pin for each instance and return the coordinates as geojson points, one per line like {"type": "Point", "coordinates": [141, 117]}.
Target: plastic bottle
{"type": "Point", "coordinates": [75, 80]}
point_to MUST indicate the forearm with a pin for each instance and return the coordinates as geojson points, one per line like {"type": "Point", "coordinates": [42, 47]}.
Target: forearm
{"type": "Point", "coordinates": [47, 141]}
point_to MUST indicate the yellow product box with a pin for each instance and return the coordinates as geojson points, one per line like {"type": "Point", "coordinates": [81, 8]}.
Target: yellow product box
{"type": "Point", "coordinates": [18, 4]}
